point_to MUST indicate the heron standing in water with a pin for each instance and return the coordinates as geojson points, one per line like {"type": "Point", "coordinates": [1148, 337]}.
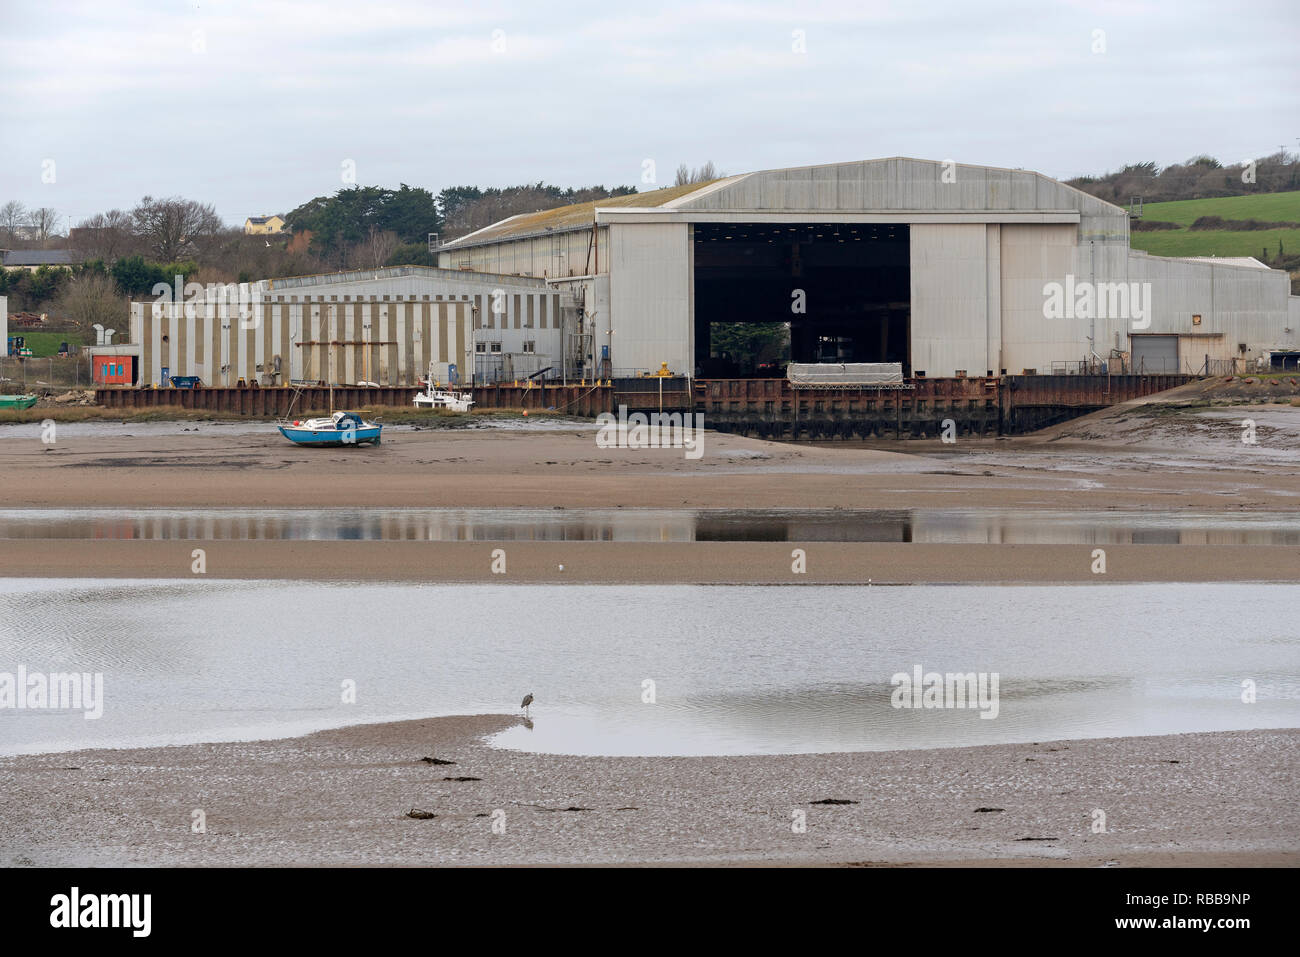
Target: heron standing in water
{"type": "Point", "coordinates": [528, 699]}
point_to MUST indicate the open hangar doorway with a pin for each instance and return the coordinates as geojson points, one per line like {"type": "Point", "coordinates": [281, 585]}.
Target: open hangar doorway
{"type": "Point", "coordinates": [851, 280]}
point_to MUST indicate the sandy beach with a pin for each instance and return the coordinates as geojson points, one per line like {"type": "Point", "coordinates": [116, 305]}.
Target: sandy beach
{"type": "Point", "coordinates": [342, 797]}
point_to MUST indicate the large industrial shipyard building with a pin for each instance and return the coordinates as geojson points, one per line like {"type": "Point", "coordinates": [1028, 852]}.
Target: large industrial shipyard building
{"type": "Point", "coordinates": [940, 269]}
{"type": "Point", "coordinates": [938, 266]}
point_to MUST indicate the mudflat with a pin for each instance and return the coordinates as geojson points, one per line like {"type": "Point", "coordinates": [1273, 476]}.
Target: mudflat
{"type": "Point", "coordinates": [343, 797]}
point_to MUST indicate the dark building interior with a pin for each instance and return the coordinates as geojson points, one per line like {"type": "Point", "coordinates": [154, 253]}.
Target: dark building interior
{"type": "Point", "coordinates": [852, 282]}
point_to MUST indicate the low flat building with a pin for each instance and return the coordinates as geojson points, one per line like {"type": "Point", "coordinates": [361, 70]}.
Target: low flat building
{"type": "Point", "coordinates": [34, 259]}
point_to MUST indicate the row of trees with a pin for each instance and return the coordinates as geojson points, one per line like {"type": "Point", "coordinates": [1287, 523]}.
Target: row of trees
{"type": "Point", "coordinates": [465, 209]}
{"type": "Point", "coordinates": [1201, 177]}
{"type": "Point", "coordinates": [18, 224]}
{"type": "Point", "coordinates": [131, 277]}
{"type": "Point", "coordinates": [370, 226]}
{"type": "Point", "coordinates": [166, 229]}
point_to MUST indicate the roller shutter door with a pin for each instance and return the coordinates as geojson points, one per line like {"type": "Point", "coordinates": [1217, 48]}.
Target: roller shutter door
{"type": "Point", "coordinates": [1155, 353]}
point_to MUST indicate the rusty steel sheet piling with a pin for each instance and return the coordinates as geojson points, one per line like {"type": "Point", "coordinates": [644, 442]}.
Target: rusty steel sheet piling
{"type": "Point", "coordinates": [1005, 405]}
{"type": "Point", "coordinates": [582, 400]}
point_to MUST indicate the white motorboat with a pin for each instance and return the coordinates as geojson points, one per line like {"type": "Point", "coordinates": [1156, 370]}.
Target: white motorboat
{"type": "Point", "coordinates": [435, 397]}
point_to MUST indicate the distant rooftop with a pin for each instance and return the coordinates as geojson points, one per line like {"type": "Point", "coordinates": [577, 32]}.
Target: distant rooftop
{"type": "Point", "coordinates": [40, 257]}
{"type": "Point", "coordinates": [570, 217]}
{"type": "Point", "coordinates": [352, 276]}
{"type": "Point", "coordinates": [1226, 261]}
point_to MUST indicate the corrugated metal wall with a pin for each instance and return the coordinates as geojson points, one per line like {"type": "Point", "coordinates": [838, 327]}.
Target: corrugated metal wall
{"type": "Point", "coordinates": [949, 277]}
{"type": "Point", "coordinates": [387, 342]}
{"type": "Point", "coordinates": [650, 284]}
{"type": "Point", "coordinates": [1032, 256]}
{"type": "Point", "coordinates": [551, 256]}
{"type": "Point", "coordinates": [1238, 305]}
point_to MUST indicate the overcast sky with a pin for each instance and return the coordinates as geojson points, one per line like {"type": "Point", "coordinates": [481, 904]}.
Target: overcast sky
{"type": "Point", "coordinates": [257, 106]}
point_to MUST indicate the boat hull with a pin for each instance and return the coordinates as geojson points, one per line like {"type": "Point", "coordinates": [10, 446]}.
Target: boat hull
{"type": "Point", "coordinates": [361, 436]}
{"type": "Point", "coordinates": [17, 401]}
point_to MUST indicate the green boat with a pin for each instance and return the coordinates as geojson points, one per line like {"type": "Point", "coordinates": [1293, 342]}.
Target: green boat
{"type": "Point", "coordinates": [17, 401]}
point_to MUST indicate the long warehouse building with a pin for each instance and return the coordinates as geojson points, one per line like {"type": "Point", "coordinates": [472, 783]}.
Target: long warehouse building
{"type": "Point", "coordinates": [387, 326]}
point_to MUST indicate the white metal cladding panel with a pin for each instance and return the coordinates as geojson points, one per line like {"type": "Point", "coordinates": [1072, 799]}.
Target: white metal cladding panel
{"type": "Point", "coordinates": [949, 277]}
{"type": "Point", "coordinates": [998, 184]}
{"type": "Point", "coordinates": [877, 185]}
{"type": "Point", "coordinates": [825, 187]}
{"type": "Point", "coordinates": [1024, 190]}
{"type": "Point", "coordinates": [570, 253]}
{"type": "Point", "coordinates": [850, 187]}
{"type": "Point", "coordinates": [1293, 312]}
{"type": "Point", "coordinates": [650, 292]}
{"type": "Point", "coordinates": [400, 333]}
{"type": "Point", "coordinates": [1033, 256]}
{"type": "Point", "coordinates": [969, 189]}
{"type": "Point", "coordinates": [1101, 263]}
{"type": "Point", "coordinates": [260, 327]}
{"type": "Point", "coordinates": [297, 333]}
{"type": "Point", "coordinates": [993, 284]}
{"type": "Point", "coordinates": [173, 327]}
{"type": "Point", "coordinates": [155, 342]}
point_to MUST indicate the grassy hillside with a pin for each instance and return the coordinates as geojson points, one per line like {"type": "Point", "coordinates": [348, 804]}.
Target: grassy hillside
{"type": "Point", "coordinates": [1270, 207]}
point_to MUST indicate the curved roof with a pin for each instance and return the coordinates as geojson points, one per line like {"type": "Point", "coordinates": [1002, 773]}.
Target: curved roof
{"type": "Point", "coordinates": [893, 185]}
{"type": "Point", "coordinates": [577, 216]}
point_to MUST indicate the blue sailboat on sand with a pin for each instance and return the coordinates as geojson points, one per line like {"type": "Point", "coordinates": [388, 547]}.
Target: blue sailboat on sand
{"type": "Point", "coordinates": [341, 428]}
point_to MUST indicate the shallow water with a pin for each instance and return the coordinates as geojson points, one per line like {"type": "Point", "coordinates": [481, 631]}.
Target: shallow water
{"type": "Point", "coordinates": [736, 670]}
{"type": "Point", "coordinates": [968, 526]}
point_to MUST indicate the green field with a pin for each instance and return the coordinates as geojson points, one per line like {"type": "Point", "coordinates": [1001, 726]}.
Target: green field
{"type": "Point", "coordinates": [46, 343]}
{"type": "Point", "coordinates": [1271, 207]}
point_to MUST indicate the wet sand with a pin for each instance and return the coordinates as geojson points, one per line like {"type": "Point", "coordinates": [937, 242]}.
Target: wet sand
{"type": "Point", "coordinates": [1133, 457]}
{"type": "Point", "coordinates": [620, 563]}
{"type": "Point", "coordinates": [1100, 461]}
{"type": "Point", "coordinates": [341, 797]}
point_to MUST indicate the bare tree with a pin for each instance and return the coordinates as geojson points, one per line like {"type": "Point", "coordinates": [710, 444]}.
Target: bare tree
{"type": "Point", "coordinates": [373, 251]}
{"type": "Point", "coordinates": [93, 297]}
{"type": "Point", "coordinates": [45, 222]}
{"type": "Point", "coordinates": [13, 216]}
{"type": "Point", "coordinates": [701, 174]}
{"type": "Point", "coordinates": [172, 226]}
{"type": "Point", "coordinates": [106, 236]}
